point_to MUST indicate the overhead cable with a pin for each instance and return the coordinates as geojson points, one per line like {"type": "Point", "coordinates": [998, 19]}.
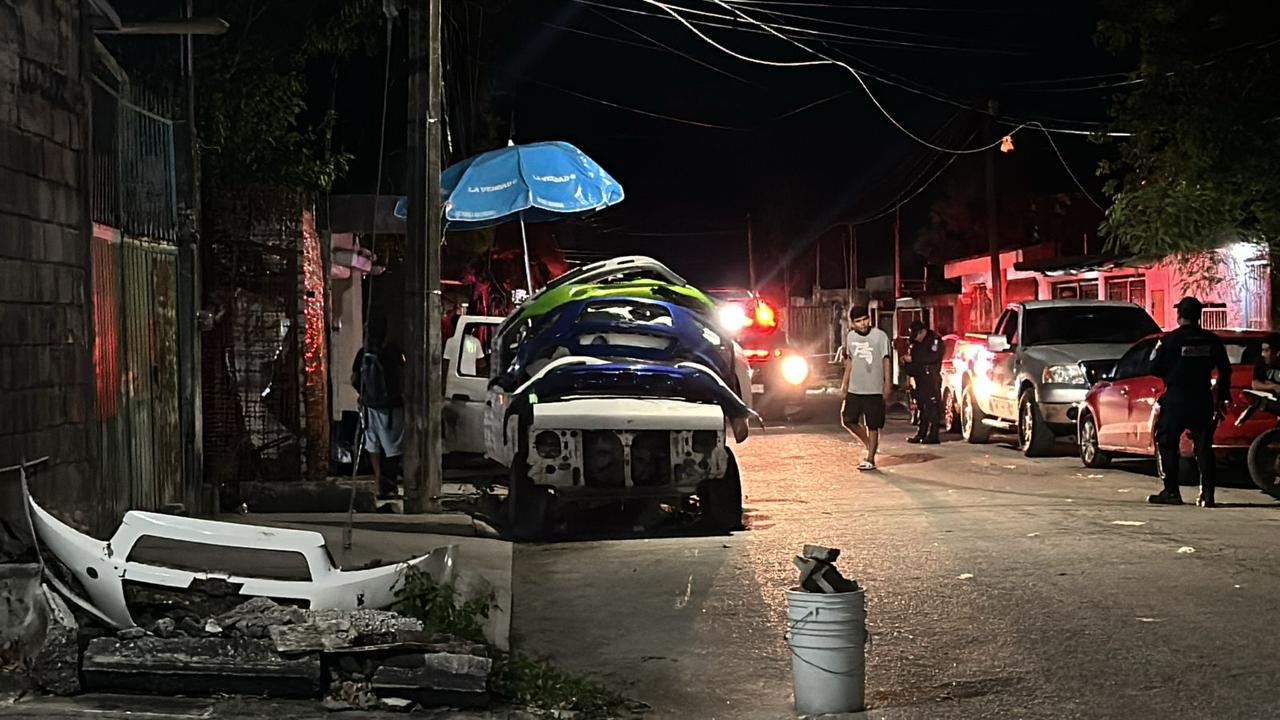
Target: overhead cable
{"type": "Point", "coordinates": [824, 60]}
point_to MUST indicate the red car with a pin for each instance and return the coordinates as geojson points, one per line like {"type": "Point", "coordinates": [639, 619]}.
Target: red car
{"type": "Point", "coordinates": [1120, 411]}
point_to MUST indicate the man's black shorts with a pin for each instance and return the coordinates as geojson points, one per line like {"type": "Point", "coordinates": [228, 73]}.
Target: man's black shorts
{"type": "Point", "coordinates": [864, 408]}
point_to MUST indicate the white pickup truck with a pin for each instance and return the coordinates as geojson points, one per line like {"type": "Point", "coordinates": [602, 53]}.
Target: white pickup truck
{"type": "Point", "coordinates": [1033, 372]}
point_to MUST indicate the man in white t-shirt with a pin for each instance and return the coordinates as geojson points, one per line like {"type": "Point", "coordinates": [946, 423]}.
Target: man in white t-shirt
{"type": "Point", "coordinates": [867, 384]}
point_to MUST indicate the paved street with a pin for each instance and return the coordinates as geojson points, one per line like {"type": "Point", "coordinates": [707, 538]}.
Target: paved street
{"type": "Point", "coordinates": [997, 587]}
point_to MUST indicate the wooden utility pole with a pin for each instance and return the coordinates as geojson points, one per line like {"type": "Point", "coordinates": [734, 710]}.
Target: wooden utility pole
{"type": "Point", "coordinates": [853, 242]}
{"type": "Point", "coordinates": [993, 234]}
{"type": "Point", "coordinates": [187, 169]}
{"type": "Point", "coordinates": [423, 392]}
{"type": "Point", "coordinates": [897, 252]}
{"type": "Point", "coordinates": [817, 268]}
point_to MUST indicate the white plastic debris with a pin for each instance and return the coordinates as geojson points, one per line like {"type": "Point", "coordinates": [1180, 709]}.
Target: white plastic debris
{"type": "Point", "coordinates": [1129, 523]}
{"type": "Point", "coordinates": [965, 576]}
{"type": "Point", "coordinates": [1186, 550]}
{"type": "Point", "coordinates": [1148, 620]}
{"type": "Point", "coordinates": [1033, 534]}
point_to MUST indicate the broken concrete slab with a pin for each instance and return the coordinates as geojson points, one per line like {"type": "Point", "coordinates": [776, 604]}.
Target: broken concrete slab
{"type": "Point", "coordinates": [821, 577]}
{"type": "Point", "coordinates": [374, 627]}
{"type": "Point", "coordinates": [821, 554]}
{"type": "Point", "coordinates": [199, 666]}
{"type": "Point", "coordinates": [446, 672]}
{"type": "Point", "coordinates": [316, 636]}
{"type": "Point", "coordinates": [56, 666]}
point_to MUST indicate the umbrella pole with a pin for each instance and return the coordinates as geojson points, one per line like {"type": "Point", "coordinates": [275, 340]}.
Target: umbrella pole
{"type": "Point", "coordinates": [524, 241]}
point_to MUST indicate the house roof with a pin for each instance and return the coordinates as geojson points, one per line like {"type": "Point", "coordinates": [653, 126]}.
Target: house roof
{"type": "Point", "coordinates": [1072, 265]}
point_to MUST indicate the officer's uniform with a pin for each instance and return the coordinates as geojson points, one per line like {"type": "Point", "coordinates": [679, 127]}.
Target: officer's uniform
{"type": "Point", "coordinates": [1186, 359]}
{"type": "Point", "coordinates": [926, 369]}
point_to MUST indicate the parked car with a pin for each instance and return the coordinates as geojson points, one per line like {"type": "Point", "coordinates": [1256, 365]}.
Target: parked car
{"type": "Point", "coordinates": [953, 364]}
{"type": "Point", "coordinates": [1119, 414]}
{"type": "Point", "coordinates": [1032, 373]}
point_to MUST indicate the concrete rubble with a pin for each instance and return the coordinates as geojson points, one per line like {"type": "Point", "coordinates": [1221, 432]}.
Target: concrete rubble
{"type": "Point", "coordinates": [818, 573]}
{"type": "Point", "coordinates": [355, 659]}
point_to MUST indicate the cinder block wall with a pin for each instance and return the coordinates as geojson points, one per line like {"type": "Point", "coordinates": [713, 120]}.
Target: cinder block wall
{"type": "Point", "coordinates": [46, 338]}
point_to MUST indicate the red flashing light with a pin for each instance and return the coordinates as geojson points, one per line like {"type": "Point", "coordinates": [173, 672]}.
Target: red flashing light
{"type": "Point", "coordinates": [766, 316]}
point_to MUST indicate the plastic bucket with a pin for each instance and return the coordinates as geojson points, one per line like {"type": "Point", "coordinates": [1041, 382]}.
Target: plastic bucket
{"type": "Point", "coordinates": [827, 634]}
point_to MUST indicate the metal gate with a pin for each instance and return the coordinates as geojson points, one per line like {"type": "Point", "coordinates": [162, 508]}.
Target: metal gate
{"type": "Point", "coordinates": [817, 329]}
{"type": "Point", "coordinates": [136, 363]}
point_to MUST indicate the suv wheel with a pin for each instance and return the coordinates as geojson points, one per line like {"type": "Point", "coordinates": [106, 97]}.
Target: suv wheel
{"type": "Point", "coordinates": [1035, 439]}
{"type": "Point", "coordinates": [971, 427]}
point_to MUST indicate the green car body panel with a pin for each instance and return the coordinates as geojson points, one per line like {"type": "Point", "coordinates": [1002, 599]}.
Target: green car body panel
{"type": "Point", "coordinates": [685, 295]}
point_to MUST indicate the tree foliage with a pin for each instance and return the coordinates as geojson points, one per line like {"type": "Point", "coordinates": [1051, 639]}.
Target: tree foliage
{"type": "Point", "coordinates": [257, 114]}
{"type": "Point", "coordinates": [1202, 167]}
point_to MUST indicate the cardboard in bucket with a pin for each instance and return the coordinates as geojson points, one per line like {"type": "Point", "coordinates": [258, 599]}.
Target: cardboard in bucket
{"type": "Point", "coordinates": [818, 573]}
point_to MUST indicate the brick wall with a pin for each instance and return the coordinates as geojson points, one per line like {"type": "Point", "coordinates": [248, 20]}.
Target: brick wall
{"type": "Point", "coordinates": [46, 343]}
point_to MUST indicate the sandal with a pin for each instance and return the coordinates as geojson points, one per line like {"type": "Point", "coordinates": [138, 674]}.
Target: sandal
{"type": "Point", "coordinates": [866, 465]}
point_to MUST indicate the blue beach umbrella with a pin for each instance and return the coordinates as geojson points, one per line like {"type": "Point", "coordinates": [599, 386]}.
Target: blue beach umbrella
{"type": "Point", "coordinates": [537, 182]}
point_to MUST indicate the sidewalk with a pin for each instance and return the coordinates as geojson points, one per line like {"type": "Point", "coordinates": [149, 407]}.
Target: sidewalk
{"type": "Point", "coordinates": [133, 707]}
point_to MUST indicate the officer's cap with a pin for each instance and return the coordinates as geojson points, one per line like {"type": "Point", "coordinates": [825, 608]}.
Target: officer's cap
{"type": "Point", "coordinates": [1189, 306]}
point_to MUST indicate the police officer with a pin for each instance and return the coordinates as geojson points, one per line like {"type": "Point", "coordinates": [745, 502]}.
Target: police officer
{"type": "Point", "coordinates": [1186, 359]}
{"type": "Point", "coordinates": [924, 365]}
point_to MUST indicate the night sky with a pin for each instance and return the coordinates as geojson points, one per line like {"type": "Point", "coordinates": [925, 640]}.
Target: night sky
{"type": "Point", "coordinates": [799, 149]}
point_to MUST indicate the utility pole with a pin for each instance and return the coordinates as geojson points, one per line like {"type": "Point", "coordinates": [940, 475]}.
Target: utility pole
{"type": "Point", "coordinates": [817, 268]}
{"type": "Point", "coordinates": [993, 234]}
{"type": "Point", "coordinates": [751, 257]}
{"type": "Point", "coordinates": [187, 167]}
{"type": "Point", "coordinates": [853, 242]}
{"type": "Point", "coordinates": [424, 394]}
{"type": "Point", "coordinates": [897, 252]}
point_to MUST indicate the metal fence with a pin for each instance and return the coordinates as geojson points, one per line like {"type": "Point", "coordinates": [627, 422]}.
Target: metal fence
{"type": "Point", "coordinates": [134, 173]}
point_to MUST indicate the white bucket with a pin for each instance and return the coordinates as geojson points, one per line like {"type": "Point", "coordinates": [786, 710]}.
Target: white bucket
{"type": "Point", "coordinates": [827, 634]}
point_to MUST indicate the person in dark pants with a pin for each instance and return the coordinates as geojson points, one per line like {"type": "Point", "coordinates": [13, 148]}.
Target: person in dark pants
{"type": "Point", "coordinates": [924, 365]}
{"type": "Point", "coordinates": [1186, 360]}
{"type": "Point", "coordinates": [376, 375]}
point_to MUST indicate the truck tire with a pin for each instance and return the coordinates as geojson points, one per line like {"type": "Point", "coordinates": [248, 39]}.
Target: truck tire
{"type": "Point", "coordinates": [1264, 462]}
{"type": "Point", "coordinates": [1087, 438]}
{"type": "Point", "coordinates": [721, 500]}
{"type": "Point", "coordinates": [971, 417]}
{"type": "Point", "coordinates": [528, 506]}
{"type": "Point", "coordinates": [950, 412]}
{"type": "Point", "coordinates": [1035, 439]}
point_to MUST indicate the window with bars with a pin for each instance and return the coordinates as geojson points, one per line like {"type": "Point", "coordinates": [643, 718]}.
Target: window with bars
{"type": "Point", "coordinates": [1076, 290]}
{"type": "Point", "coordinates": [1128, 289]}
{"type": "Point", "coordinates": [1214, 318]}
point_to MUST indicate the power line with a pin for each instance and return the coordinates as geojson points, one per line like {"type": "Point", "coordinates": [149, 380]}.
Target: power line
{"type": "Point", "coordinates": [660, 116]}
{"type": "Point", "coordinates": [632, 30]}
{"type": "Point", "coordinates": [830, 37]}
{"type": "Point", "coordinates": [891, 8]}
{"type": "Point", "coordinates": [856, 26]}
{"type": "Point", "coordinates": [1057, 81]}
{"type": "Point", "coordinates": [1067, 167]}
{"type": "Point", "coordinates": [825, 60]}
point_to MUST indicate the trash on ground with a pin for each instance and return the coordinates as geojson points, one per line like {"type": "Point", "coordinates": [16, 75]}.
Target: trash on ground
{"type": "Point", "coordinates": [965, 576]}
{"type": "Point", "coordinates": [104, 568]}
{"type": "Point", "coordinates": [818, 574]}
{"type": "Point", "coordinates": [1186, 550]}
{"type": "Point", "coordinates": [1129, 523]}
